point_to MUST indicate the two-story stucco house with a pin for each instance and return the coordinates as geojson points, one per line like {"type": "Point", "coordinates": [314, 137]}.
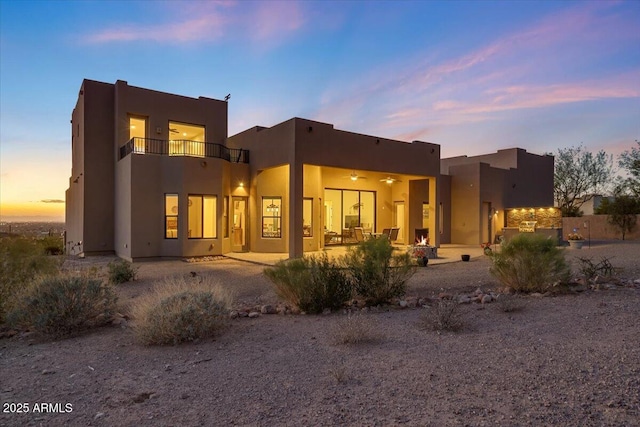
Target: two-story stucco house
{"type": "Point", "coordinates": [156, 175]}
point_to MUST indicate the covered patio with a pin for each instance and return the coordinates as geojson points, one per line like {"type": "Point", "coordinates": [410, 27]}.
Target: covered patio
{"type": "Point", "coordinates": [447, 253]}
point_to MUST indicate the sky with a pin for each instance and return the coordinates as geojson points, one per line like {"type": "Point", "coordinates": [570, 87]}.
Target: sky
{"type": "Point", "coordinates": [474, 77]}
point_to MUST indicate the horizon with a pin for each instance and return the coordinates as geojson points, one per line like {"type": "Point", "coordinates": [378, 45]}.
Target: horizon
{"type": "Point", "coordinates": [473, 77]}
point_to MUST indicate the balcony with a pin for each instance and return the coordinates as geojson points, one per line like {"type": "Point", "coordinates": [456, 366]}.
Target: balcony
{"type": "Point", "coordinates": [183, 148]}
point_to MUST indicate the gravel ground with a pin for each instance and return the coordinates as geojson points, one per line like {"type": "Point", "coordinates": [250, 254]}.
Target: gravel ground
{"type": "Point", "coordinates": [570, 360]}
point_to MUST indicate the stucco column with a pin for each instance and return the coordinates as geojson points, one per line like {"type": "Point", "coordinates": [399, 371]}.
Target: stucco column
{"type": "Point", "coordinates": [434, 200]}
{"type": "Point", "coordinates": [295, 210]}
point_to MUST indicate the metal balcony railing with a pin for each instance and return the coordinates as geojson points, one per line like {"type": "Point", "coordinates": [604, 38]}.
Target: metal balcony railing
{"type": "Point", "coordinates": [165, 147]}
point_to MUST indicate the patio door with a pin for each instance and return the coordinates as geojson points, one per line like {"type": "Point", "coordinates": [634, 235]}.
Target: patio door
{"type": "Point", "coordinates": [239, 227]}
{"type": "Point", "coordinates": [486, 222]}
{"type": "Point", "coordinates": [398, 220]}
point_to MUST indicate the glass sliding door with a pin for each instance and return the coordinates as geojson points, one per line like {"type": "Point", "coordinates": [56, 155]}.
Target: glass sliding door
{"type": "Point", "coordinates": [346, 209]}
{"type": "Point", "coordinates": [138, 132]}
{"type": "Point", "coordinates": [368, 211]}
{"type": "Point", "coordinates": [332, 216]}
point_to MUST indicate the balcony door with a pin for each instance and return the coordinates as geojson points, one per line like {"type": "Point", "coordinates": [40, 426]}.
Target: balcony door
{"type": "Point", "coordinates": [138, 130]}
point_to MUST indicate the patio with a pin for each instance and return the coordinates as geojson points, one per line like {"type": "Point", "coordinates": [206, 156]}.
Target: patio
{"type": "Point", "coordinates": [447, 253]}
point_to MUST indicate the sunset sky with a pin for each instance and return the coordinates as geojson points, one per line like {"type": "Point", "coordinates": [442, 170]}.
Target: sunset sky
{"type": "Point", "coordinates": [473, 77]}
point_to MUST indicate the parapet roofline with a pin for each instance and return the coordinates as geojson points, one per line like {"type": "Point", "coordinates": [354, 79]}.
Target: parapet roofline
{"type": "Point", "coordinates": [151, 90]}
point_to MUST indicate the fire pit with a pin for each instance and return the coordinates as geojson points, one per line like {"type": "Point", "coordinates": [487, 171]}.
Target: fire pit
{"type": "Point", "coordinates": [423, 251]}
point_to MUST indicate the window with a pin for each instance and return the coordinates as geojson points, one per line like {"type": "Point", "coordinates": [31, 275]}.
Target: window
{"type": "Point", "coordinates": [186, 140]}
{"type": "Point", "coordinates": [138, 130]}
{"type": "Point", "coordinates": [225, 217]}
{"type": "Point", "coordinates": [202, 217]}
{"type": "Point", "coordinates": [170, 216]}
{"type": "Point", "coordinates": [271, 217]}
{"type": "Point", "coordinates": [307, 217]}
{"type": "Point", "coordinates": [425, 215]}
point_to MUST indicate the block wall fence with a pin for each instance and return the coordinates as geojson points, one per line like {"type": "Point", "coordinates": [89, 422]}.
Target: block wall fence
{"type": "Point", "coordinates": [600, 228]}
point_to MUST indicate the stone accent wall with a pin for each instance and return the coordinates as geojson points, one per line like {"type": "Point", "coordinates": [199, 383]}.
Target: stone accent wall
{"type": "Point", "coordinates": [600, 228]}
{"type": "Point", "coordinates": [546, 217]}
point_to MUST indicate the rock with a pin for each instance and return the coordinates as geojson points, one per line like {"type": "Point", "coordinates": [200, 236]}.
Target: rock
{"type": "Point", "coordinates": [536, 295]}
{"type": "Point", "coordinates": [444, 295]}
{"type": "Point", "coordinates": [578, 288]}
{"type": "Point", "coordinates": [478, 292]}
{"type": "Point", "coordinates": [403, 304]}
{"type": "Point", "coordinates": [243, 314]}
{"type": "Point", "coordinates": [234, 314]}
{"type": "Point", "coordinates": [464, 299]}
{"type": "Point", "coordinates": [254, 314]}
{"type": "Point", "coordinates": [486, 299]}
{"type": "Point", "coordinates": [326, 311]}
{"type": "Point", "coordinates": [268, 309]}
{"type": "Point", "coordinates": [98, 415]}
{"type": "Point", "coordinates": [47, 372]}
{"type": "Point", "coordinates": [119, 321]}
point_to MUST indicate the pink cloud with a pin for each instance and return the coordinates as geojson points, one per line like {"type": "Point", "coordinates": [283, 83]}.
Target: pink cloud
{"type": "Point", "coordinates": [538, 96]}
{"type": "Point", "coordinates": [210, 22]}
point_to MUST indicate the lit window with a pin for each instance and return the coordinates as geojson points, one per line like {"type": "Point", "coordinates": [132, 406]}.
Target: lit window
{"type": "Point", "coordinates": [170, 216]}
{"type": "Point", "coordinates": [307, 217]}
{"type": "Point", "coordinates": [271, 217]}
{"type": "Point", "coordinates": [225, 217]}
{"type": "Point", "coordinates": [186, 140]}
{"type": "Point", "coordinates": [202, 217]}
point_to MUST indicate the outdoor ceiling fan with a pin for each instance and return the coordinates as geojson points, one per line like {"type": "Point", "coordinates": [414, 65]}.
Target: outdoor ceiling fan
{"type": "Point", "coordinates": [173, 130]}
{"type": "Point", "coordinates": [353, 176]}
{"type": "Point", "coordinates": [390, 180]}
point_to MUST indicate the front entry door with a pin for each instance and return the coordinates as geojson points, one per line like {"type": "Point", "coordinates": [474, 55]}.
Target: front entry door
{"type": "Point", "coordinates": [239, 227]}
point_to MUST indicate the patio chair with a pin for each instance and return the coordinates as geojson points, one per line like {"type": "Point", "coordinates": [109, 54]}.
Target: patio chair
{"type": "Point", "coordinates": [393, 235]}
{"type": "Point", "coordinates": [358, 233]}
{"type": "Point", "coordinates": [386, 232]}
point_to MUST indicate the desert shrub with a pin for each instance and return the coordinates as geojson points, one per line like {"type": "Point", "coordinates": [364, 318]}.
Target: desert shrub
{"type": "Point", "coordinates": [508, 303]}
{"type": "Point", "coordinates": [310, 283]}
{"type": "Point", "coordinates": [52, 245]}
{"type": "Point", "coordinates": [121, 271]}
{"type": "Point", "coordinates": [377, 274]}
{"type": "Point", "coordinates": [444, 315]}
{"type": "Point", "coordinates": [354, 329]}
{"type": "Point", "coordinates": [530, 263]}
{"type": "Point", "coordinates": [21, 260]}
{"type": "Point", "coordinates": [63, 305]}
{"type": "Point", "coordinates": [590, 269]}
{"type": "Point", "coordinates": [180, 310]}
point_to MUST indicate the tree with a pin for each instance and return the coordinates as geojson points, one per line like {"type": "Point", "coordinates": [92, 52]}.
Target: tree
{"type": "Point", "coordinates": [630, 161]}
{"type": "Point", "coordinates": [580, 175]}
{"type": "Point", "coordinates": [622, 212]}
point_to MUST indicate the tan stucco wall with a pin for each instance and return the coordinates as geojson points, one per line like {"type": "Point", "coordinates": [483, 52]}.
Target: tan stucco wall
{"type": "Point", "coordinates": [597, 227]}
{"type": "Point", "coordinates": [272, 182]}
{"type": "Point", "coordinates": [506, 179]}
{"type": "Point", "coordinates": [301, 143]}
{"type": "Point", "coordinates": [90, 216]}
{"type": "Point", "coordinates": [465, 204]}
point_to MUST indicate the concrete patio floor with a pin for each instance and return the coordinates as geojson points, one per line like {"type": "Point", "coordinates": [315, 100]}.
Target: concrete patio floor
{"type": "Point", "coordinates": [447, 253]}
